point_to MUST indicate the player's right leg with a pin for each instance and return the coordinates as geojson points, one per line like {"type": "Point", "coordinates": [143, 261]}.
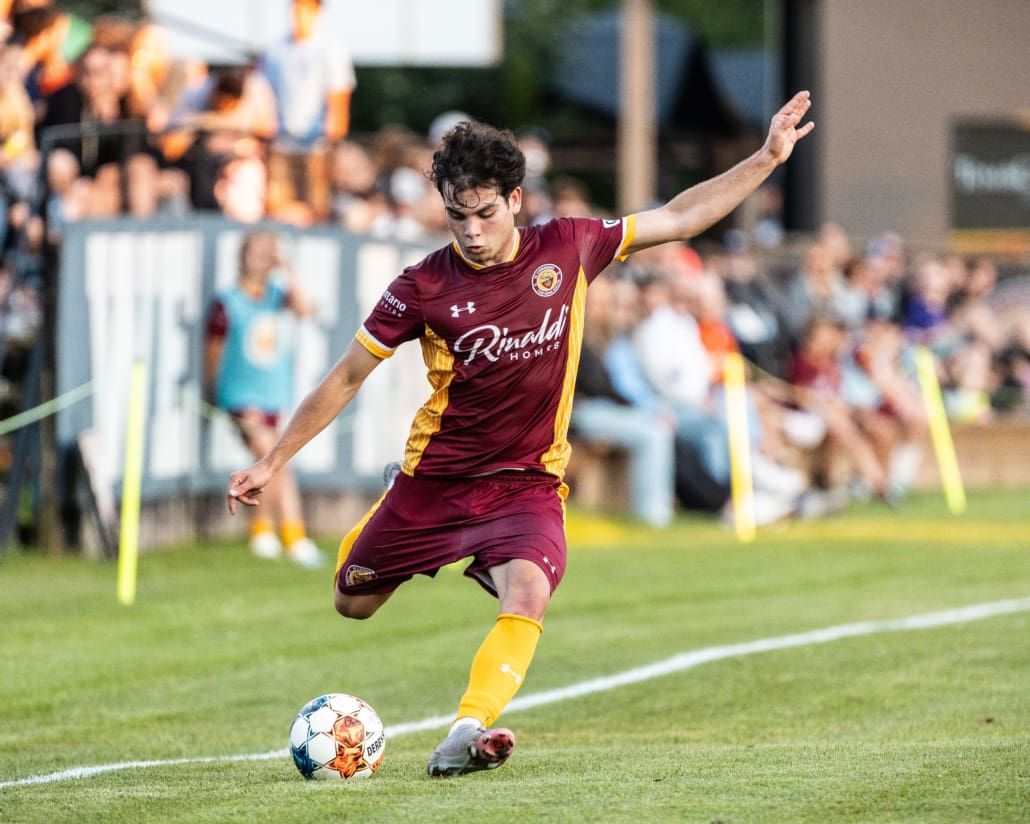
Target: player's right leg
{"type": "Point", "coordinates": [359, 606]}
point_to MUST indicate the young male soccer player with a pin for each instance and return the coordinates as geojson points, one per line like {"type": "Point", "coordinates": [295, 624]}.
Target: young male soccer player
{"type": "Point", "coordinates": [499, 315]}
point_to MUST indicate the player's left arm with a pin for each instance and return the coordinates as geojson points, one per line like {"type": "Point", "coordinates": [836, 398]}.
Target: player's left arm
{"type": "Point", "coordinates": [692, 211]}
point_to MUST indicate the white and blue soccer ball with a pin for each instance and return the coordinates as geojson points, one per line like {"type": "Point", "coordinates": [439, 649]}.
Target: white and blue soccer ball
{"type": "Point", "coordinates": [337, 736]}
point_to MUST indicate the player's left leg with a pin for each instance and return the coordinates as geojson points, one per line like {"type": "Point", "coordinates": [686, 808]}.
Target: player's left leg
{"type": "Point", "coordinates": [500, 665]}
{"type": "Point", "coordinates": [498, 670]}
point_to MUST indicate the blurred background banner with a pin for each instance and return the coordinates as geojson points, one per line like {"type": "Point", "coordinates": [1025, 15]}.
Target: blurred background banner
{"type": "Point", "coordinates": [386, 32]}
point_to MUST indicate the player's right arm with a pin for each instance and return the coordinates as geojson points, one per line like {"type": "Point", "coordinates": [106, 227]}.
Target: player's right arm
{"type": "Point", "coordinates": [695, 209]}
{"type": "Point", "coordinates": [315, 413]}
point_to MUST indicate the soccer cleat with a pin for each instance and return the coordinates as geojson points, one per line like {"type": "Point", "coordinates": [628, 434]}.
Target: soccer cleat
{"type": "Point", "coordinates": [306, 554]}
{"type": "Point", "coordinates": [468, 749]}
{"type": "Point", "coordinates": [266, 545]}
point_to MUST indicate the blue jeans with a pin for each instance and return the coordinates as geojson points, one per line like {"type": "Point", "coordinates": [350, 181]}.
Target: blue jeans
{"type": "Point", "coordinates": [708, 434]}
{"type": "Point", "coordinates": [649, 442]}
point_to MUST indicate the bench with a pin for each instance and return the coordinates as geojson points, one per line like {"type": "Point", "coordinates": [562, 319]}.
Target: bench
{"type": "Point", "coordinates": [995, 454]}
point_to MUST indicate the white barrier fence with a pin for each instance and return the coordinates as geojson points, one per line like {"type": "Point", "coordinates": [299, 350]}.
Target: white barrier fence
{"type": "Point", "coordinates": [140, 291]}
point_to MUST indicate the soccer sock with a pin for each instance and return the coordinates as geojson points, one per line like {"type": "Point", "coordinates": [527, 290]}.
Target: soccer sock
{"type": "Point", "coordinates": [291, 532]}
{"type": "Point", "coordinates": [260, 525]}
{"type": "Point", "coordinates": [499, 667]}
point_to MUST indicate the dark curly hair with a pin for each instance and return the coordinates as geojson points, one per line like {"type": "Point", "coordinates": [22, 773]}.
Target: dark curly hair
{"type": "Point", "coordinates": [474, 155]}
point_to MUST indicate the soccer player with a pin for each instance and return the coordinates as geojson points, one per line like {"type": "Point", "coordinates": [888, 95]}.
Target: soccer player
{"type": "Point", "coordinates": [499, 315]}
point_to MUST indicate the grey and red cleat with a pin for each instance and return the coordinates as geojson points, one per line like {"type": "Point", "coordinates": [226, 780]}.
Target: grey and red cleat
{"type": "Point", "coordinates": [467, 749]}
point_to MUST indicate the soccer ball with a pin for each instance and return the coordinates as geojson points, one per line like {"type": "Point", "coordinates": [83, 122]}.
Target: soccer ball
{"type": "Point", "coordinates": [337, 736]}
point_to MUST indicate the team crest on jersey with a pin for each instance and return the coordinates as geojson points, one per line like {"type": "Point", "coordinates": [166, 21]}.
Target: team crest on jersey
{"type": "Point", "coordinates": [546, 280]}
{"type": "Point", "coordinates": [359, 575]}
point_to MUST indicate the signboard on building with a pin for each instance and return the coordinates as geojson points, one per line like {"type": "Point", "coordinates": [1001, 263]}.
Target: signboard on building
{"type": "Point", "coordinates": [990, 186]}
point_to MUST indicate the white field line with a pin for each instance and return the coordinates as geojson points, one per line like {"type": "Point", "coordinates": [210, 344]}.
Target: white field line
{"type": "Point", "coordinates": [677, 663]}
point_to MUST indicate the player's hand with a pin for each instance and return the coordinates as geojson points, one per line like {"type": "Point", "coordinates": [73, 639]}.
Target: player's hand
{"type": "Point", "coordinates": [246, 486]}
{"type": "Point", "coordinates": [786, 130]}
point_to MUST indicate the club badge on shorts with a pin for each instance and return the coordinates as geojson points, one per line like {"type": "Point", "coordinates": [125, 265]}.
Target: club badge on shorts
{"type": "Point", "coordinates": [358, 575]}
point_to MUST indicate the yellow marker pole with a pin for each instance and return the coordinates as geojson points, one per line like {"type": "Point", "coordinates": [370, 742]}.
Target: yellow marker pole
{"type": "Point", "coordinates": [741, 485]}
{"type": "Point", "coordinates": [940, 433]}
{"type": "Point", "coordinates": [128, 548]}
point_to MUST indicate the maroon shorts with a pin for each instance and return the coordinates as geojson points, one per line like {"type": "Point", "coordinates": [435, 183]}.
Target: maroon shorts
{"type": "Point", "coordinates": [423, 524]}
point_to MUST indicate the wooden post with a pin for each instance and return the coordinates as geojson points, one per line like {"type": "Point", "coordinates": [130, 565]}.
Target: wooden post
{"type": "Point", "coordinates": [637, 129]}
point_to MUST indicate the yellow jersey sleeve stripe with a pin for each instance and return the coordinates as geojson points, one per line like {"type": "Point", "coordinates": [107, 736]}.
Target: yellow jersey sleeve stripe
{"type": "Point", "coordinates": [377, 348]}
{"type": "Point", "coordinates": [629, 234]}
{"type": "Point", "coordinates": [556, 458]}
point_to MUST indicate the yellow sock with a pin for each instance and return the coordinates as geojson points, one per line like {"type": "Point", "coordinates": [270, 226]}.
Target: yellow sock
{"type": "Point", "coordinates": [260, 525]}
{"type": "Point", "coordinates": [291, 532]}
{"type": "Point", "coordinates": [499, 667]}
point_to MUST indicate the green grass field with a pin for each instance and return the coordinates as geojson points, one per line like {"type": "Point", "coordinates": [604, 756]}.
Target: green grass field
{"type": "Point", "coordinates": [893, 724]}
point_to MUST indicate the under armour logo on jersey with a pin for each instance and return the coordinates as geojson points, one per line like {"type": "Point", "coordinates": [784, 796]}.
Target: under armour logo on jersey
{"type": "Point", "coordinates": [456, 310]}
{"type": "Point", "coordinates": [512, 673]}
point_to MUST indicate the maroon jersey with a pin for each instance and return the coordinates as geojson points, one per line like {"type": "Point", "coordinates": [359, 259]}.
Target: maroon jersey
{"type": "Point", "coordinates": [501, 344]}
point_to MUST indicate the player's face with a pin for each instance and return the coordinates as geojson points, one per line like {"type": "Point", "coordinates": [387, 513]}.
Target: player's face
{"type": "Point", "coordinates": [483, 222]}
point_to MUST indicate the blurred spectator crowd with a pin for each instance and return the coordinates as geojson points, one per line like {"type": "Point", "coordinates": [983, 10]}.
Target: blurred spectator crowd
{"type": "Point", "coordinates": [110, 122]}
{"type": "Point", "coordinates": [830, 332]}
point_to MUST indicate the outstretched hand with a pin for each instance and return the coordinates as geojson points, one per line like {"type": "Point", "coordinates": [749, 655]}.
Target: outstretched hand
{"type": "Point", "coordinates": [784, 130]}
{"type": "Point", "coordinates": [246, 486]}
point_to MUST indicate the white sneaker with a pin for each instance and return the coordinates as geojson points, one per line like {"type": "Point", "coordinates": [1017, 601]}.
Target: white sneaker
{"type": "Point", "coordinates": [266, 545]}
{"type": "Point", "coordinates": [773, 477]}
{"type": "Point", "coordinates": [771, 508]}
{"type": "Point", "coordinates": [766, 507]}
{"type": "Point", "coordinates": [305, 553]}
{"type": "Point", "coordinates": [817, 503]}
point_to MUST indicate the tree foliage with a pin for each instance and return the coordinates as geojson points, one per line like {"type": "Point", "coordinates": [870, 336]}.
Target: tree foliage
{"type": "Point", "coordinates": [90, 9]}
